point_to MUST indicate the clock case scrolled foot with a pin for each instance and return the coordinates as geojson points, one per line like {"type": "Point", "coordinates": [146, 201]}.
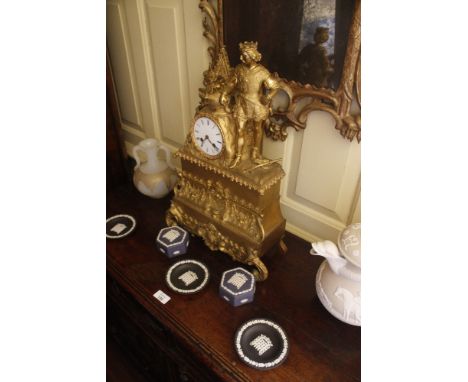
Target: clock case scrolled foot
{"type": "Point", "coordinates": [283, 247]}
{"type": "Point", "coordinates": [261, 271]}
{"type": "Point", "coordinates": [170, 219]}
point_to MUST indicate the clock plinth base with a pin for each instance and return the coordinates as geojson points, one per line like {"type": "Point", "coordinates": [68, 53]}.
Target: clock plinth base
{"type": "Point", "coordinates": [234, 214]}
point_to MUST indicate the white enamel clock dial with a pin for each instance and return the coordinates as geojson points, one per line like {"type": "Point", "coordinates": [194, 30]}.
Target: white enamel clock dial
{"type": "Point", "coordinates": [207, 136]}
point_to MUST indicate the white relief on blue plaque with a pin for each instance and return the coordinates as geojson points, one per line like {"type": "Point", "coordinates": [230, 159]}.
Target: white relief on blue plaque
{"type": "Point", "coordinates": [238, 280]}
{"type": "Point", "coordinates": [171, 235]}
{"type": "Point", "coordinates": [118, 228]}
{"type": "Point", "coordinates": [261, 343]}
{"type": "Point", "coordinates": [188, 277]}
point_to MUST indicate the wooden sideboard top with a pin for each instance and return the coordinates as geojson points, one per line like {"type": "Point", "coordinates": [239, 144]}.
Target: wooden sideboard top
{"type": "Point", "coordinates": [322, 348]}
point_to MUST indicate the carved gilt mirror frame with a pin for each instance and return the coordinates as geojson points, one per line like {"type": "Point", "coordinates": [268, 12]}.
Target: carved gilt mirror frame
{"type": "Point", "coordinates": [305, 98]}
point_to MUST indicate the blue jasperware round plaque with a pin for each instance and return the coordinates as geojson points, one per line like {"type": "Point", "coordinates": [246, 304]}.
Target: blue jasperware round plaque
{"type": "Point", "coordinates": [187, 276]}
{"type": "Point", "coordinates": [261, 344]}
{"type": "Point", "coordinates": [119, 226]}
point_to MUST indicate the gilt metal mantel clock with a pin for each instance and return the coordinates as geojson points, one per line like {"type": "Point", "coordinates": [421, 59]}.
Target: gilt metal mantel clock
{"type": "Point", "coordinates": [227, 192]}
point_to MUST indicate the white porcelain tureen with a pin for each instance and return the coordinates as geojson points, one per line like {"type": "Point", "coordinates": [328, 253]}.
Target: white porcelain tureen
{"type": "Point", "coordinates": [338, 280]}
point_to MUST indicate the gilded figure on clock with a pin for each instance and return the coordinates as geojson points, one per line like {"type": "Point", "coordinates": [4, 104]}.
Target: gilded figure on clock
{"type": "Point", "coordinates": [253, 87]}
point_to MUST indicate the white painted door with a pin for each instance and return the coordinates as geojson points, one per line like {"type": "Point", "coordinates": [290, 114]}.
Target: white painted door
{"type": "Point", "coordinates": [158, 55]}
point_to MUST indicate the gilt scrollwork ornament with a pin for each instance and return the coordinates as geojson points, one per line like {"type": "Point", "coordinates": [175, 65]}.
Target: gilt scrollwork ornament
{"type": "Point", "coordinates": [212, 25]}
{"type": "Point", "coordinates": [336, 103]}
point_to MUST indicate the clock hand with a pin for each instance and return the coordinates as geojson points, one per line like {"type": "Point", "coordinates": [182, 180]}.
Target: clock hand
{"type": "Point", "coordinates": [212, 144]}
{"type": "Point", "coordinates": [205, 139]}
{"type": "Point", "coordinates": [209, 140]}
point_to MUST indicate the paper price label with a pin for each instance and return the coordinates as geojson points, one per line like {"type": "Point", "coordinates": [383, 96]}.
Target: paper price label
{"type": "Point", "coordinates": [161, 296]}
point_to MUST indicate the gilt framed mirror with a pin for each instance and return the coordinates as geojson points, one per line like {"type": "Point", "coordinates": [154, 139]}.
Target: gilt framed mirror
{"type": "Point", "coordinates": [313, 45]}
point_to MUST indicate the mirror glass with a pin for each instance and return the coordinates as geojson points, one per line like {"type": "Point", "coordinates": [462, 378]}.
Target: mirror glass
{"type": "Point", "coordinates": [301, 40]}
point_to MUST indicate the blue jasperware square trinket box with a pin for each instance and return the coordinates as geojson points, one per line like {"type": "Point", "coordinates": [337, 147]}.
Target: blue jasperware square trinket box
{"type": "Point", "coordinates": [237, 286]}
{"type": "Point", "coordinates": [172, 241]}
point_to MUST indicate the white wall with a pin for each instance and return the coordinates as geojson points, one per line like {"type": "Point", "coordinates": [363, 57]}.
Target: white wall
{"type": "Point", "coordinates": [158, 55]}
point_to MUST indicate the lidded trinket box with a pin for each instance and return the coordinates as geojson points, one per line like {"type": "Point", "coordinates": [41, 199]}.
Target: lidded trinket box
{"type": "Point", "coordinates": [172, 241]}
{"type": "Point", "coordinates": [237, 286]}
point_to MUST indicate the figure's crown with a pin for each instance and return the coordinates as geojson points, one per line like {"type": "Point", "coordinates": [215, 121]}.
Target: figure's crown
{"type": "Point", "coordinates": [248, 45]}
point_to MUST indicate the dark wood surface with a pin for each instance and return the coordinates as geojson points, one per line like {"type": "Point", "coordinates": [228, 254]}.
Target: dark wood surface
{"type": "Point", "coordinates": [203, 325]}
{"type": "Point", "coordinates": [120, 368]}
